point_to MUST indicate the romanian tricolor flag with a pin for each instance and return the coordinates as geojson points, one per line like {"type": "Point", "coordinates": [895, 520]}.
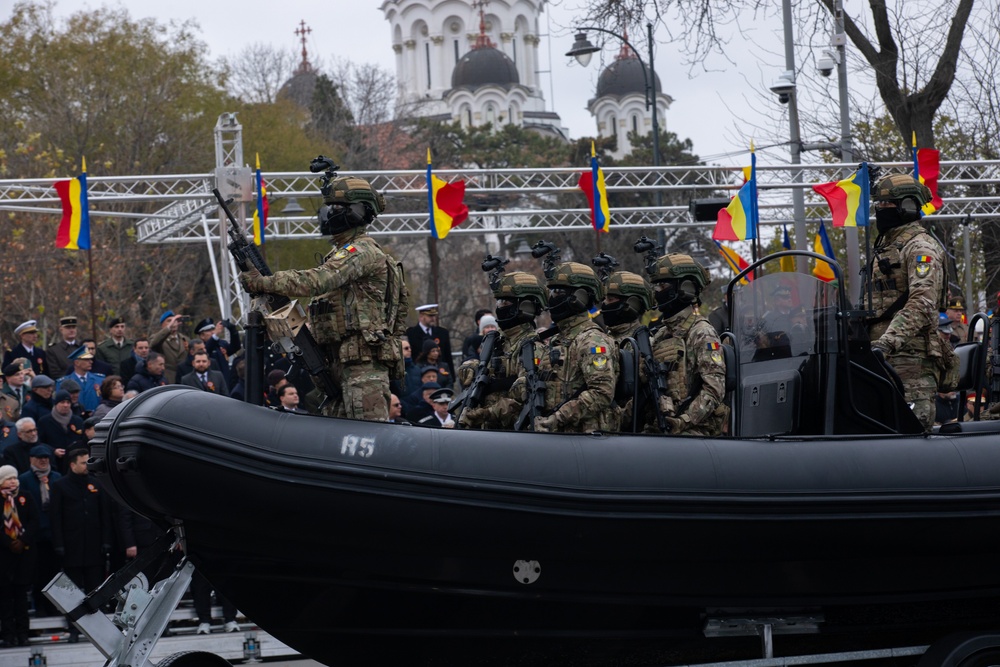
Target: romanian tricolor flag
{"type": "Point", "coordinates": [735, 262]}
{"type": "Point", "coordinates": [445, 203]}
{"type": "Point", "coordinates": [260, 214]}
{"type": "Point", "coordinates": [738, 221]}
{"type": "Point", "coordinates": [927, 170]}
{"type": "Point", "coordinates": [849, 199]}
{"type": "Point", "coordinates": [592, 184]}
{"type": "Point", "coordinates": [822, 246]}
{"type": "Point", "coordinates": [74, 228]}
{"type": "Point", "coordinates": [787, 263]}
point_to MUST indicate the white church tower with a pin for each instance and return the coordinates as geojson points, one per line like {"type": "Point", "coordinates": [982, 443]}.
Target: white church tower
{"type": "Point", "coordinates": [619, 103]}
{"type": "Point", "coordinates": [474, 62]}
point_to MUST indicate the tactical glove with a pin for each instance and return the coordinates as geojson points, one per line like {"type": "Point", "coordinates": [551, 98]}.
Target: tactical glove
{"type": "Point", "coordinates": [251, 280]}
{"type": "Point", "coordinates": [548, 424]}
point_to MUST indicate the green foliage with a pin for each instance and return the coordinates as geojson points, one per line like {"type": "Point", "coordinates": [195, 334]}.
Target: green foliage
{"type": "Point", "coordinates": [483, 147]}
{"type": "Point", "coordinates": [131, 95]}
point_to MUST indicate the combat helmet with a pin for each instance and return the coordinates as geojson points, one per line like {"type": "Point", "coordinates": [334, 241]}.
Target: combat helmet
{"type": "Point", "coordinates": [679, 281]}
{"type": "Point", "coordinates": [351, 190]}
{"type": "Point", "coordinates": [676, 266]}
{"type": "Point", "coordinates": [527, 296]}
{"type": "Point", "coordinates": [625, 284]}
{"type": "Point", "coordinates": [580, 290]}
{"type": "Point", "coordinates": [896, 187]}
{"type": "Point", "coordinates": [575, 274]}
{"type": "Point", "coordinates": [908, 194]}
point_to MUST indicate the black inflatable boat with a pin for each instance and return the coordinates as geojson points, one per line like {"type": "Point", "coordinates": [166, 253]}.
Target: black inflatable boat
{"type": "Point", "coordinates": [361, 543]}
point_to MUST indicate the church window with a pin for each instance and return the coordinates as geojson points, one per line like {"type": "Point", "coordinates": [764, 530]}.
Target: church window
{"type": "Point", "coordinates": [635, 124]}
{"type": "Point", "coordinates": [613, 122]}
{"type": "Point", "coordinates": [455, 42]}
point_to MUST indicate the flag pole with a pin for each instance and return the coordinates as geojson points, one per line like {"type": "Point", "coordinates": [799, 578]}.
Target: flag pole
{"type": "Point", "coordinates": [93, 309]}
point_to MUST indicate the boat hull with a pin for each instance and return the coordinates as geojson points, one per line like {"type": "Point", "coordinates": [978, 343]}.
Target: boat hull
{"type": "Point", "coordinates": [358, 543]}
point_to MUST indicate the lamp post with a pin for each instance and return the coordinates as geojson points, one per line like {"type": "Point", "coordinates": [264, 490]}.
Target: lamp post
{"type": "Point", "coordinates": [583, 50]}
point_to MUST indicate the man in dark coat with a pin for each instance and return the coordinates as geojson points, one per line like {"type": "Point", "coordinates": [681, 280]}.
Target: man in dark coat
{"type": "Point", "coordinates": [61, 429]}
{"type": "Point", "coordinates": [39, 401]}
{"type": "Point", "coordinates": [203, 377]}
{"type": "Point", "coordinates": [82, 527]}
{"type": "Point", "coordinates": [140, 350]}
{"type": "Point", "coordinates": [38, 482]}
{"type": "Point", "coordinates": [17, 454]}
{"type": "Point", "coordinates": [427, 329]}
{"type": "Point", "coordinates": [149, 374]}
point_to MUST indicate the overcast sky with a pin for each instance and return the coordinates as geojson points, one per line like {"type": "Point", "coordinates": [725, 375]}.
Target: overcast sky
{"type": "Point", "coordinates": [706, 104]}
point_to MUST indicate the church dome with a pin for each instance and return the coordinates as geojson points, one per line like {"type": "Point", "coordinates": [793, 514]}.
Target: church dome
{"type": "Point", "coordinates": [300, 88]}
{"type": "Point", "coordinates": [624, 76]}
{"type": "Point", "coordinates": [483, 67]}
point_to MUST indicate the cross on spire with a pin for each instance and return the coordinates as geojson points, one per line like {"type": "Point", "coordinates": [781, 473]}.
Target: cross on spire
{"type": "Point", "coordinates": [302, 31]}
{"type": "Point", "coordinates": [482, 39]}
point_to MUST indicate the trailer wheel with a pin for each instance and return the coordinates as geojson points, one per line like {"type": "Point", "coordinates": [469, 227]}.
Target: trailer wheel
{"type": "Point", "coordinates": [967, 649]}
{"type": "Point", "coordinates": [193, 659]}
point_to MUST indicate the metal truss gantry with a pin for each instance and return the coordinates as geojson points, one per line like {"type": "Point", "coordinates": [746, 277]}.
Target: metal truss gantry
{"type": "Point", "coordinates": [177, 208]}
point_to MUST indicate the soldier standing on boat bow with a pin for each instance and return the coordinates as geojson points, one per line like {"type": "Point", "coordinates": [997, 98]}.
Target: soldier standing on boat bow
{"type": "Point", "coordinates": [355, 310]}
{"type": "Point", "coordinates": [689, 346]}
{"type": "Point", "coordinates": [907, 279]}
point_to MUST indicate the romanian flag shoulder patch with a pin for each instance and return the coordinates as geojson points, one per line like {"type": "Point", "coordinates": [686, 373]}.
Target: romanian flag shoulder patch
{"type": "Point", "coordinates": [923, 259]}
{"type": "Point", "coordinates": [599, 350]}
{"type": "Point", "coordinates": [712, 346]}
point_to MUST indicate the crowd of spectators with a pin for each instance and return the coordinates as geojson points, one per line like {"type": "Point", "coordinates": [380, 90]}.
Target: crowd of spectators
{"type": "Point", "coordinates": [57, 516]}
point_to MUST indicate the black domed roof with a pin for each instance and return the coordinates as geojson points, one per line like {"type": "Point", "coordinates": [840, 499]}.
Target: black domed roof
{"type": "Point", "coordinates": [300, 87]}
{"type": "Point", "coordinates": [484, 66]}
{"type": "Point", "coordinates": [624, 76]}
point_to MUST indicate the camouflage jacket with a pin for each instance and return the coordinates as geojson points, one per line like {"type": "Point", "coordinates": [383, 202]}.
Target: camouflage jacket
{"type": "Point", "coordinates": [347, 311]}
{"type": "Point", "coordinates": [502, 402]}
{"type": "Point", "coordinates": [908, 265]}
{"type": "Point", "coordinates": [689, 344]}
{"type": "Point", "coordinates": [582, 370]}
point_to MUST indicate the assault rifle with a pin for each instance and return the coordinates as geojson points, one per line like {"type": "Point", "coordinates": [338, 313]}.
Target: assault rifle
{"type": "Point", "coordinates": [656, 377]}
{"type": "Point", "coordinates": [472, 397]}
{"type": "Point", "coordinates": [285, 318]}
{"type": "Point", "coordinates": [535, 389]}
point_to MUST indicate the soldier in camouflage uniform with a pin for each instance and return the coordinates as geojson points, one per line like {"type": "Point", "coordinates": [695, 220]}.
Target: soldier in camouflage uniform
{"type": "Point", "coordinates": [689, 346]}
{"type": "Point", "coordinates": [907, 277]}
{"type": "Point", "coordinates": [348, 308]}
{"type": "Point", "coordinates": [520, 299]}
{"type": "Point", "coordinates": [582, 360]}
{"type": "Point", "coordinates": [628, 298]}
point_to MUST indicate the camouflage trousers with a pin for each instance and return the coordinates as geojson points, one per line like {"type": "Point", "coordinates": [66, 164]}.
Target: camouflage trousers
{"type": "Point", "coordinates": [365, 388]}
{"type": "Point", "coordinates": [919, 376]}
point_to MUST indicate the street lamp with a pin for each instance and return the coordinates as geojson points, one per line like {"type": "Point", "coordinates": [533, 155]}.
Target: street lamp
{"type": "Point", "coordinates": [583, 50]}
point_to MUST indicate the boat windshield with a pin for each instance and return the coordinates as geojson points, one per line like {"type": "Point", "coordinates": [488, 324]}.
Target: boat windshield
{"type": "Point", "coordinates": [783, 314]}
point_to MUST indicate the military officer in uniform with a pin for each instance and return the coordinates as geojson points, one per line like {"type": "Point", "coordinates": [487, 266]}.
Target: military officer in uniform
{"type": "Point", "coordinates": [58, 353]}
{"type": "Point", "coordinates": [520, 299]}
{"type": "Point", "coordinates": [582, 360]}
{"type": "Point", "coordinates": [90, 383]}
{"type": "Point", "coordinates": [348, 290]}
{"type": "Point", "coordinates": [27, 334]}
{"type": "Point", "coordinates": [907, 277]}
{"type": "Point", "coordinates": [687, 343]}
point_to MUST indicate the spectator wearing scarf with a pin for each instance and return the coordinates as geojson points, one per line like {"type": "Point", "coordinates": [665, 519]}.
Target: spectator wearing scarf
{"type": "Point", "coordinates": [17, 558]}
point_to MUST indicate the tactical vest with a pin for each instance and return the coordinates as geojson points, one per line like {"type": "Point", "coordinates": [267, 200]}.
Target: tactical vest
{"type": "Point", "coordinates": [351, 319]}
{"type": "Point", "coordinates": [891, 288]}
